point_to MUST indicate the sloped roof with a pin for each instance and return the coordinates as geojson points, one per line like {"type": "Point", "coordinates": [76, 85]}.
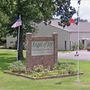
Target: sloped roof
{"type": "Point", "coordinates": [83, 27]}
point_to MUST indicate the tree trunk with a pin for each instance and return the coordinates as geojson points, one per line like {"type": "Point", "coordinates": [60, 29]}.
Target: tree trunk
{"type": "Point", "coordinates": [20, 47]}
{"type": "Point", "coordinates": [20, 31]}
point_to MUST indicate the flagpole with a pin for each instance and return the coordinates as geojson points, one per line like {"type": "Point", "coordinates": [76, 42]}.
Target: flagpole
{"type": "Point", "coordinates": [18, 40]}
{"type": "Point", "coordinates": [78, 62]}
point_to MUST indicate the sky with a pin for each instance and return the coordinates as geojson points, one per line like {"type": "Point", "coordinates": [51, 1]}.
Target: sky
{"type": "Point", "coordinates": [84, 11]}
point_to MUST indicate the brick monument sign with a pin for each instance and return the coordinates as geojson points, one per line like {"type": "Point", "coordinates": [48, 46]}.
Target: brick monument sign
{"type": "Point", "coordinates": [41, 50]}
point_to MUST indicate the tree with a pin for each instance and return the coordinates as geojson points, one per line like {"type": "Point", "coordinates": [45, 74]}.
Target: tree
{"type": "Point", "coordinates": [3, 20]}
{"type": "Point", "coordinates": [36, 11]}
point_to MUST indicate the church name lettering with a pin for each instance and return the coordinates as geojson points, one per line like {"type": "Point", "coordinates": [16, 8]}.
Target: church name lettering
{"type": "Point", "coordinates": [42, 48]}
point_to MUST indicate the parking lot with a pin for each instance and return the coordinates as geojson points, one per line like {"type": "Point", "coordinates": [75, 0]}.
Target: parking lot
{"type": "Point", "coordinates": [83, 55]}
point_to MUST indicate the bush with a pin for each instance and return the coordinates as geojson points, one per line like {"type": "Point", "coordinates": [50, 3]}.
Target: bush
{"type": "Point", "coordinates": [39, 71]}
{"type": "Point", "coordinates": [74, 46]}
{"type": "Point", "coordinates": [17, 67]}
{"type": "Point", "coordinates": [38, 68]}
{"type": "Point", "coordinates": [81, 46]}
{"type": "Point", "coordinates": [64, 68]}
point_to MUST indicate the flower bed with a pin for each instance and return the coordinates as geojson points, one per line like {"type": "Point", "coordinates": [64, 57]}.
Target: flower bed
{"type": "Point", "coordinates": [39, 78]}
{"type": "Point", "coordinates": [40, 72]}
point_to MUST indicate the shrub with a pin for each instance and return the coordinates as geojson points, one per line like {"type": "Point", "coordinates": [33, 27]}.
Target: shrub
{"type": "Point", "coordinates": [81, 46]}
{"type": "Point", "coordinates": [64, 68]}
{"type": "Point", "coordinates": [38, 68]}
{"type": "Point", "coordinates": [74, 46]}
{"type": "Point", "coordinates": [70, 69]}
{"type": "Point", "coordinates": [39, 71]}
{"type": "Point", "coordinates": [17, 67]}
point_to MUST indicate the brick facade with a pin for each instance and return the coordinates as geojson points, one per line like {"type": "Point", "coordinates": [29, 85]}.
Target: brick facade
{"type": "Point", "coordinates": [45, 60]}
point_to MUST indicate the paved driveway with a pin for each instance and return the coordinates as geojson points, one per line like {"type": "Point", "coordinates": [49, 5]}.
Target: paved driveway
{"type": "Point", "coordinates": [83, 55]}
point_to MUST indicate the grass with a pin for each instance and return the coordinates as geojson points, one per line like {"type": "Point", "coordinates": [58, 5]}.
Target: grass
{"type": "Point", "coordinates": [10, 82]}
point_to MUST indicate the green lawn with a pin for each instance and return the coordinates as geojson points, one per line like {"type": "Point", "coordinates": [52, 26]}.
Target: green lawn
{"type": "Point", "coordinates": [10, 82]}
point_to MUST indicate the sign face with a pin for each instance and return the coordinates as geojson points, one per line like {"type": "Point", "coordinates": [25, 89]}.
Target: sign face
{"type": "Point", "coordinates": [42, 48]}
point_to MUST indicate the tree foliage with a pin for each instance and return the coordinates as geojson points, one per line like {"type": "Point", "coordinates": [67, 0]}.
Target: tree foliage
{"type": "Point", "coordinates": [33, 10]}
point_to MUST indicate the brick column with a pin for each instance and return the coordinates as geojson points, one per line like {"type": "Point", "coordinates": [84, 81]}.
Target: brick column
{"type": "Point", "coordinates": [55, 38]}
{"type": "Point", "coordinates": [28, 49]}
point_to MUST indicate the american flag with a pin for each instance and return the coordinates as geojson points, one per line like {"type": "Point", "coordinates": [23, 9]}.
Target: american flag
{"type": "Point", "coordinates": [17, 23]}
